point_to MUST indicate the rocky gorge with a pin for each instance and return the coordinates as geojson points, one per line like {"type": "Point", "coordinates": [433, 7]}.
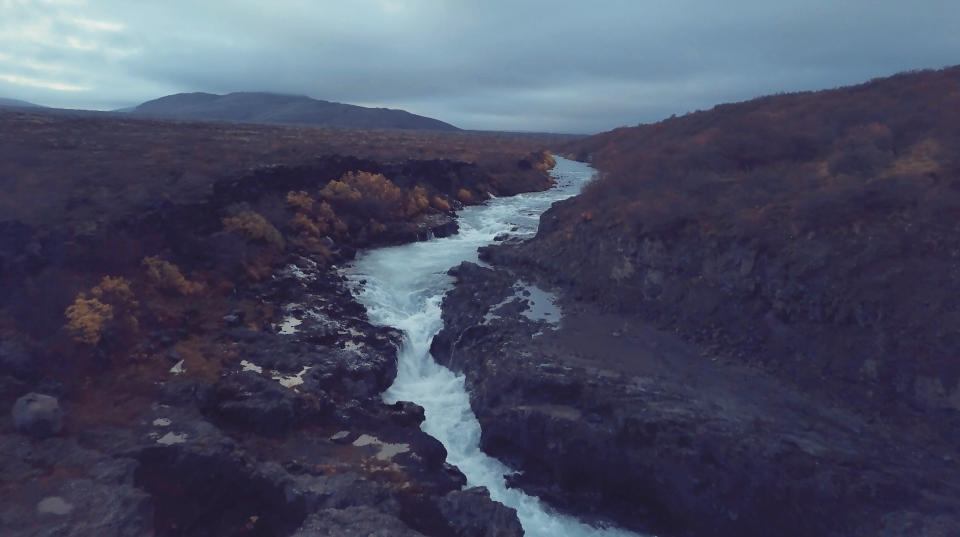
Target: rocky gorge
{"type": "Point", "coordinates": [745, 326]}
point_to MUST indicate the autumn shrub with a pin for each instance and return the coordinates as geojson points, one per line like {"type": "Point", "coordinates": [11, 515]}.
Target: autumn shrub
{"type": "Point", "coordinates": [327, 220]}
{"type": "Point", "coordinates": [340, 191]}
{"type": "Point", "coordinates": [311, 218]}
{"type": "Point", "coordinates": [305, 225]}
{"type": "Point", "coordinates": [167, 277]}
{"type": "Point", "coordinates": [371, 194]}
{"type": "Point", "coordinates": [87, 319]}
{"type": "Point", "coordinates": [464, 195]}
{"type": "Point", "coordinates": [260, 266]}
{"type": "Point", "coordinates": [319, 249]}
{"type": "Point", "coordinates": [417, 201]}
{"type": "Point", "coordinates": [313, 224]}
{"type": "Point", "coordinates": [255, 227]}
{"type": "Point", "coordinates": [541, 160]}
{"type": "Point", "coordinates": [114, 291]}
{"type": "Point", "coordinates": [440, 204]}
{"type": "Point", "coordinates": [300, 201]}
{"type": "Point", "coordinates": [111, 305]}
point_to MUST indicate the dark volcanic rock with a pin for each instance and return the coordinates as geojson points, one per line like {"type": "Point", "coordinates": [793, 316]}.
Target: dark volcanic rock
{"type": "Point", "coordinates": [354, 522]}
{"type": "Point", "coordinates": [38, 415]}
{"type": "Point", "coordinates": [614, 420]}
{"type": "Point", "coordinates": [263, 405]}
{"type": "Point", "coordinates": [89, 495]}
{"type": "Point", "coordinates": [472, 514]}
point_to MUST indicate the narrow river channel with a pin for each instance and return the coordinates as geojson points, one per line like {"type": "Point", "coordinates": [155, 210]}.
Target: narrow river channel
{"type": "Point", "coordinates": [404, 287]}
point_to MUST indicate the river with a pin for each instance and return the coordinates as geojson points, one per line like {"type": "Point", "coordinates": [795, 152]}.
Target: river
{"type": "Point", "coordinates": [403, 288]}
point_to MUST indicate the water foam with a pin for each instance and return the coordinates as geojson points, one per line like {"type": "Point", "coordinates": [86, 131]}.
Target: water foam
{"type": "Point", "coordinates": [404, 288]}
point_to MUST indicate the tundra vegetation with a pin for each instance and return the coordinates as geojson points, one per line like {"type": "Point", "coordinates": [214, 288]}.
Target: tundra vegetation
{"type": "Point", "coordinates": [815, 234]}
{"type": "Point", "coordinates": [116, 231]}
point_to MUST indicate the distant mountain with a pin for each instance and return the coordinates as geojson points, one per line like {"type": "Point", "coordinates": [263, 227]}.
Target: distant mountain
{"type": "Point", "coordinates": [282, 109]}
{"type": "Point", "coordinates": [14, 103]}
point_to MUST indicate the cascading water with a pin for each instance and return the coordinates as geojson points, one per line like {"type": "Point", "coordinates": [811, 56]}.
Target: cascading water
{"type": "Point", "coordinates": [403, 288]}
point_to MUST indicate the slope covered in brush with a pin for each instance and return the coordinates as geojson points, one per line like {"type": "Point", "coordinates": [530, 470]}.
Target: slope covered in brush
{"type": "Point", "coordinates": [815, 233]}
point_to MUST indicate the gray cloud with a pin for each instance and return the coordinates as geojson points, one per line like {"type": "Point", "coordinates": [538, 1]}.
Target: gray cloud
{"type": "Point", "coordinates": [496, 64]}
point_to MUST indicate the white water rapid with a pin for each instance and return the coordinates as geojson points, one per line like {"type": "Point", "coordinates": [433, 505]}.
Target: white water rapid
{"type": "Point", "coordinates": [404, 287]}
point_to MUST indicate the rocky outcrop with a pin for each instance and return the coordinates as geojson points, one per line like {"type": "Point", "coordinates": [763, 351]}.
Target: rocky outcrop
{"type": "Point", "coordinates": [56, 486]}
{"type": "Point", "coordinates": [472, 514]}
{"type": "Point", "coordinates": [607, 416]}
{"type": "Point", "coordinates": [836, 311]}
{"type": "Point", "coordinates": [38, 415]}
{"type": "Point", "coordinates": [291, 438]}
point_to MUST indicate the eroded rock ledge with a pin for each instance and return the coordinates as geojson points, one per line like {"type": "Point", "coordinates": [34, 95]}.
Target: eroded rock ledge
{"type": "Point", "coordinates": [610, 418]}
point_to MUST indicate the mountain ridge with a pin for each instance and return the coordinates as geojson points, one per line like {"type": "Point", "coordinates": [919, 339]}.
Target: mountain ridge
{"type": "Point", "coordinates": [277, 108]}
{"type": "Point", "coordinates": [17, 103]}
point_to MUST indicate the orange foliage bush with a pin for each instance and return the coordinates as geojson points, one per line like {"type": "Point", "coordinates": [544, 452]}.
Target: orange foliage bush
{"type": "Point", "coordinates": [254, 227]}
{"type": "Point", "coordinates": [114, 291]}
{"type": "Point", "coordinates": [313, 219]}
{"type": "Point", "coordinates": [370, 193]}
{"type": "Point", "coordinates": [327, 219]}
{"type": "Point", "coordinates": [260, 266]}
{"type": "Point", "coordinates": [340, 191]}
{"type": "Point", "coordinates": [300, 201]}
{"type": "Point", "coordinates": [168, 277]}
{"type": "Point", "coordinates": [365, 186]}
{"type": "Point", "coordinates": [440, 204]}
{"type": "Point", "coordinates": [417, 201]}
{"type": "Point", "coordinates": [112, 301]}
{"type": "Point", "coordinates": [87, 318]}
{"type": "Point", "coordinates": [305, 225]}
{"type": "Point", "coordinates": [464, 195]}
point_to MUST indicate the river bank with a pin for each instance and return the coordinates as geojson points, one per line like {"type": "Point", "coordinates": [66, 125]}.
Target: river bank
{"type": "Point", "coordinates": [611, 418]}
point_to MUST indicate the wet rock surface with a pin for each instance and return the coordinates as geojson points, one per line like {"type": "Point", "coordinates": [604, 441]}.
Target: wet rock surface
{"type": "Point", "coordinates": [612, 418]}
{"type": "Point", "coordinates": [472, 514]}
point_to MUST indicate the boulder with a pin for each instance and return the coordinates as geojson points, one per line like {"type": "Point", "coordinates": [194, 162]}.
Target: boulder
{"type": "Point", "coordinates": [471, 513]}
{"type": "Point", "coordinates": [38, 415]}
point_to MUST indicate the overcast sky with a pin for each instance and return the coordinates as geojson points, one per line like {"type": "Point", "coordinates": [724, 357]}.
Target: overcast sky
{"type": "Point", "coordinates": [583, 66]}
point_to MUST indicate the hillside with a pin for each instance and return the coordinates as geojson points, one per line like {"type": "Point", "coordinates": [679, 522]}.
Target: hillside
{"type": "Point", "coordinates": [760, 312]}
{"type": "Point", "coordinates": [16, 103]}
{"type": "Point", "coordinates": [274, 108]}
{"type": "Point", "coordinates": [814, 228]}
